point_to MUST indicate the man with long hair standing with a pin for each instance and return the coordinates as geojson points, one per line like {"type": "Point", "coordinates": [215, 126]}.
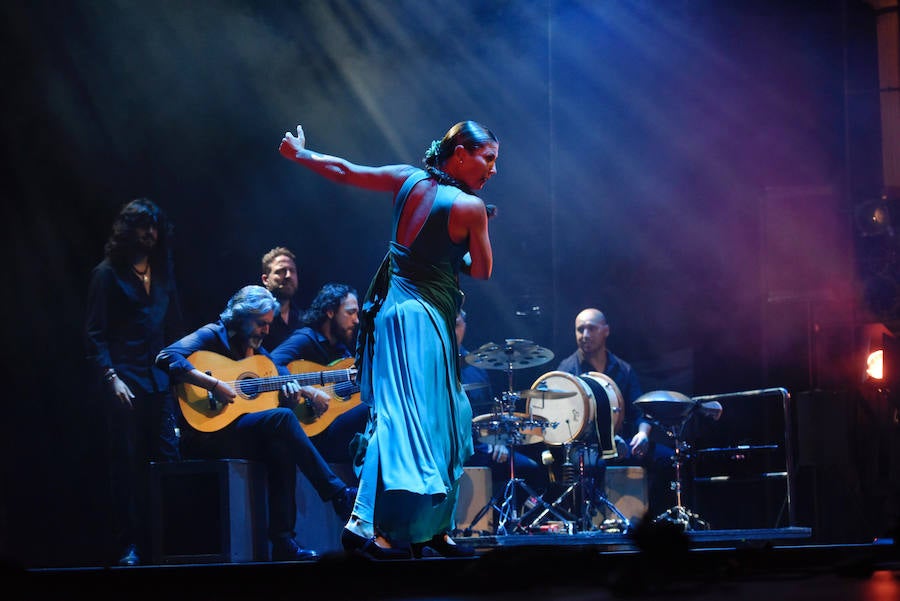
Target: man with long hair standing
{"type": "Point", "coordinates": [133, 310]}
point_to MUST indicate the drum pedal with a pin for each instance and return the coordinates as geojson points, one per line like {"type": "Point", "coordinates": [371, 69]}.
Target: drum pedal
{"type": "Point", "coordinates": [613, 526]}
{"type": "Point", "coordinates": [553, 528]}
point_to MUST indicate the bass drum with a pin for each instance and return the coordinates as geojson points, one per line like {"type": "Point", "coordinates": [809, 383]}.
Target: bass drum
{"type": "Point", "coordinates": [578, 418]}
{"type": "Point", "coordinates": [569, 419]}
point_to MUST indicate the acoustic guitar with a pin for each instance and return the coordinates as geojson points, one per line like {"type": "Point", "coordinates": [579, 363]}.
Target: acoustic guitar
{"type": "Point", "coordinates": [344, 394]}
{"type": "Point", "coordinates": [257, 383]}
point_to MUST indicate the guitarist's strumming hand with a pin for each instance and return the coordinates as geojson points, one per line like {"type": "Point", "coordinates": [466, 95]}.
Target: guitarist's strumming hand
{"type": "Point", "coordinates": [221, 393]}
{"type": "Point", "coordinates": [316, 400]}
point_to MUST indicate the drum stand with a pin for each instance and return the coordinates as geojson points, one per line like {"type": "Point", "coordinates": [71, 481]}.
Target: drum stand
{"type": "Point", "coordinates": [515, 353]}
{"type": "Point", "coordinates": [508, 508]}
{"type": "Point", "coordinates": [679, 514]}
{"type": "Point", "coordinates": [586, 505]}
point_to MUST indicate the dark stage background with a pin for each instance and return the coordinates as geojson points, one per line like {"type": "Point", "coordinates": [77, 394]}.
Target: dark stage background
{"type": "Point", "coordinates": [689, 167]}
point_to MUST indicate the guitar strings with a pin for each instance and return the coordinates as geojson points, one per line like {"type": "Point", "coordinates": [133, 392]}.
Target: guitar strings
{"type": "Point", "coordinates": [316, 378]}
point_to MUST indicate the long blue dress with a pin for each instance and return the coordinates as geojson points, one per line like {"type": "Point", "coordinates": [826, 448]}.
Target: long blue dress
{"type": "Point", "coordinates": [420, 431]}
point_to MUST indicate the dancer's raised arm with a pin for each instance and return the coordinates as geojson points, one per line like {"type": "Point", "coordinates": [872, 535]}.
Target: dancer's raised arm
{"type": "Point", "coordinates": [387, 178]}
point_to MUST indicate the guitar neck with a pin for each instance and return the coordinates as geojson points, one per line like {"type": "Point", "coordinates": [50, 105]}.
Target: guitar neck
{"type": "Point", "coordinates": [322, 378]}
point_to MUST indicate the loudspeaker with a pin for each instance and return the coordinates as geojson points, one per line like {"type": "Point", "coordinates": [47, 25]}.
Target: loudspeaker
{"type": "Point", "coordinates": [475, 490]}
{"type": "Point", "coordinates": [209, 511]}
{"type": "Point", "coordinates": [626, 488]}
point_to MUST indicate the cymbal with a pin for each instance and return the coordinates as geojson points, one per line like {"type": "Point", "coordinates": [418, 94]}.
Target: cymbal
{"type": "Point", "coordinates": [475, 385]}
{"type": "Point", "coordinates": [542, 392]}
{"type": "Point", "coordinates": [509, 428]}
{"type": "Point", "coordinates": [514, 353]}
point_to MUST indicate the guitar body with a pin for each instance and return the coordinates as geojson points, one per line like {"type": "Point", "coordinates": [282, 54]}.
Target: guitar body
{"type": "Point", "coordinates": [195, 401]}
{"type": "Point", "coordinates": [344, 395]}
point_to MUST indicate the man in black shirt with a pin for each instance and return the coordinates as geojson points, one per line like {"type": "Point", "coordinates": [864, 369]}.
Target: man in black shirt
{"type": "Point", "coordinates": [281, 278]}
{"type": "Point", "coordinates": [133, 311]}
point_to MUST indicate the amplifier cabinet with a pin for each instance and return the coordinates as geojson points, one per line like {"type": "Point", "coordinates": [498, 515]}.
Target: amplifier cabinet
{"type": "Point", "coordinates": [475, 490]}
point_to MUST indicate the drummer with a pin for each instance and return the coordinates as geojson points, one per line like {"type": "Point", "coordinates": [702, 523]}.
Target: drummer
{"type": "Point", "coordinates": [477, 385]}
{"type": "Point", "coordinates": [633, 443]}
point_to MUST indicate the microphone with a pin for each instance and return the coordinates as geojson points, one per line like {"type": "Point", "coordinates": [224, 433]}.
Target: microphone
{"type": "Point", "coordinates": [491, 210]}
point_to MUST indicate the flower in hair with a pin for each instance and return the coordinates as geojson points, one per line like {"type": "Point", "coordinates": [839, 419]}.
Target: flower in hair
{"type": "Point", "coordinates": [434, 150]}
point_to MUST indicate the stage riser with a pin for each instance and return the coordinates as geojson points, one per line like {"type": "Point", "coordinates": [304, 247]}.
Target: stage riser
{"type": "Point", "coordinates": [209, 512]}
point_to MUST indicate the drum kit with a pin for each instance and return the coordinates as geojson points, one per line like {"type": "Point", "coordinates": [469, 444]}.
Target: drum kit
{"type": "Point", "coordinates": [561, 411]}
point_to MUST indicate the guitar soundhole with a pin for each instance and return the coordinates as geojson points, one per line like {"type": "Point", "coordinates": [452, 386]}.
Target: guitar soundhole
{"type": "Point", "coordinates": [248, 385]}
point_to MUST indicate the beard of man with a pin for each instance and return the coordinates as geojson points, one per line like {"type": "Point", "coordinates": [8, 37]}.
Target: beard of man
{"type": "Point", "coordinates": [348, 337]}
{"type": "Point", "coordinates": [285, 292]}
{"type": "Point", "coordinates": [246, 332]}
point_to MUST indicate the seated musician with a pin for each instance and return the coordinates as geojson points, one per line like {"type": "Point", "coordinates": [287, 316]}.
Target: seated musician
{"type": "Point", "coordinates": [633, 440]}
{"type": "Point", "coordinates": [269, 433]}
{"type": "Point", "coordinates": [328, 338]}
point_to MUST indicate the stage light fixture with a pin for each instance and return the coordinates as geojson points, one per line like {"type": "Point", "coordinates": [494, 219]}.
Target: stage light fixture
{"type": "Point", "coordinates": [874, 335]}
{"type": "Point", "coordinates": [873, 218]}
{"type": "Point", "coordinates": [875, 365]}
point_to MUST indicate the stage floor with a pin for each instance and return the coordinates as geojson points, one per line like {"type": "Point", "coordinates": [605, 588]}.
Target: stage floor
{"type": "Point", "coordinates": [617, 541]}
{"type": "Point", "coordinates": [746, 564]}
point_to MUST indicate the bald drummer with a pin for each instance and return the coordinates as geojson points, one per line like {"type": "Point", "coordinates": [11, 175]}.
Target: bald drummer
{"type": "Point", "coordinates": [591, 332]}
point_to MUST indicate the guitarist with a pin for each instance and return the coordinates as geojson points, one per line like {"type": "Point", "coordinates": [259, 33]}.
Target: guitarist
{"type": "Point", "coordinates": [332, 321]}
{"type": "Point", "coordinates": [271, 436]}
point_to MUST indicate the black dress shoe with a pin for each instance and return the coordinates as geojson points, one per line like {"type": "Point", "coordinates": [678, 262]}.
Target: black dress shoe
{"type": "Point", "coordinates": [368, 548]}
{"type": "Point", "coordinates": [343, 502]}
{"type": "Point", "coordinates": [130, 557]}
{"type": "Point", "coordinates": [287, 549]}
{"type": "Point", "coordinates": [440, 546]}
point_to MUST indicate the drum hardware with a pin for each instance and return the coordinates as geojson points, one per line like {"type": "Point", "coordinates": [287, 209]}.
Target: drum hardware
{"type": "Point", "coordinates": [506, 402]}
{"type": "Point", "coordinates": [672, 411]}
{"type": "Point", "coordinates": [504, 428]}
{"type": "Point", "coordinates": [508, 509]}
{"type": "Point", "coordinates": [505, 425]}
{"type": "Point", "coordinates": [577, 482]}
{"type": "Point", "coordinates": [510, 429]}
